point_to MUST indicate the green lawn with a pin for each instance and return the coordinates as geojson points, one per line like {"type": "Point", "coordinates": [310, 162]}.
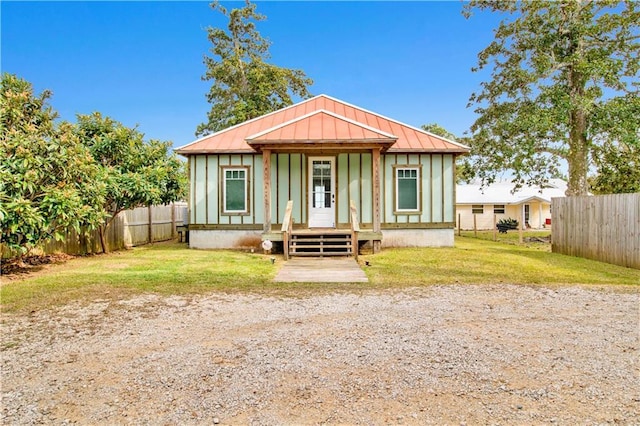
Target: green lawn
{"type": "Point", "coordinates": [479, 261]}
{"type": "Point", "coordinates": [171, 268]}
{"type": "Point", "coordinates": [512, 237]}
{"type": "Point", "coordinates": [164, 268]}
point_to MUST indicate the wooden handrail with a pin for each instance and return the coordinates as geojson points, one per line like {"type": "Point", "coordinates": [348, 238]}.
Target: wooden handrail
{"type": "Point", "coordinates": [355, 228]}
{"type": "Point", "coordinates": [287, 228]}
{"type": "Point", "coordinates": [355, 224]}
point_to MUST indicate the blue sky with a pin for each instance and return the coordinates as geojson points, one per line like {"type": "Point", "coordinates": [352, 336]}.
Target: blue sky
{"type": "Point", "coordinates": [141, 62]}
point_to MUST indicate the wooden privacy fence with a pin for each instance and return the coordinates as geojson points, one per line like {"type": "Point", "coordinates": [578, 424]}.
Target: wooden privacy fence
{"type": "Point", "coordinates": [146, 225]}
{"type": "Point", "coordinates": [135, 227]}
{"type": "Point", "coordinates": [603, 227]}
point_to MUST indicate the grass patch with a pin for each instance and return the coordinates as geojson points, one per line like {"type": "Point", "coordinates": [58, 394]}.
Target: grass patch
{"type": "Point", "coordinates": [164, 268]}
{"type": "Point", "coordinates": [478, 261]}
{"type": "Point", "coordinates": [173, 269]}
{"type": "Point", "coordinates": [512, 237]}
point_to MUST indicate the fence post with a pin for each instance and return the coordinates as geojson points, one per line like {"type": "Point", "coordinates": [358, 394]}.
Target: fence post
{"type": "Point", "coordinates": [521, 223]}
{"type": "Point", "coordinates": [150, 225]}
{"type": "Point", "coordinates": [495, 237]}
{"type": "Point", "coordinates": [475, 229]}
{"type": "Point", "coordinates": [173, 221]}
{"type": "Point", "coordinates": [459, 224]}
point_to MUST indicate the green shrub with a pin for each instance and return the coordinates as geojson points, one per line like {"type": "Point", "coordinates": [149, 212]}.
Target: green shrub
{"type": "Point", "coordinates": [508, 223]}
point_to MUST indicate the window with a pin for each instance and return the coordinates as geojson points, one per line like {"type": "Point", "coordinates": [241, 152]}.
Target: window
{"type": "Point", "coordinates": [498, 209]}
{"type": "Point", "coordinates": [477, 209]}
{"type": "Point", "coordinates": [235, 190]}
{"type": "Point", "coordinates": [407, 189]}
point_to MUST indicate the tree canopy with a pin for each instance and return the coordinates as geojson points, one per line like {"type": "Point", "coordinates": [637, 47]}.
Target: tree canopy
{"type": "Point", "coordinates": [56, 176]}
{"type": "Point", "coordinates": [48, 180]}
{"type": "Point", "coordinates": [618, 169]}
{"type": "Point", "coordinates": [437, 129]}
{"type": "Point", "coordinates": [244, 84]}
{"type": "Point", "coordinates": [136, 172]}
{"type": "Point", "coordinates": [564, 84]}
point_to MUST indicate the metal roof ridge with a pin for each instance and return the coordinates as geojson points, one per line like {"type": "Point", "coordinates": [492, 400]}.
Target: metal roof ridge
{"type": "Point", "coordinates": [359, 124]}
{"type": "Point", "coordinates": [320, 111]}
{"type": "Point", "coordinates": [397, 122]}
{"type": "Point", "coordinates": [247, 122]}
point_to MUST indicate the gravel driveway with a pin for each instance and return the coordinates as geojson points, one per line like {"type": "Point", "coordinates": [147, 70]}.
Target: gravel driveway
{"type": "Point", "coordinates": [439, 355]}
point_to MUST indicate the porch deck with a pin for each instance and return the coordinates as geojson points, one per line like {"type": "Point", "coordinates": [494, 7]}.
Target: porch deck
{"type": "Point", "coordinates": [363, 235]}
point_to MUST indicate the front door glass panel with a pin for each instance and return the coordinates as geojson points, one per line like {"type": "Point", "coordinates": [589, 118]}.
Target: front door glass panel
{"type": "Point", "coordinates": [321, 184]}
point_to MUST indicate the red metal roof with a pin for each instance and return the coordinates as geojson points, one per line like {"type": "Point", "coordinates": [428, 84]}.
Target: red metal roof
{"type": "Point", "coordinates": [321, 119]}
{"type": "Point", "coordinates": [321, 126]}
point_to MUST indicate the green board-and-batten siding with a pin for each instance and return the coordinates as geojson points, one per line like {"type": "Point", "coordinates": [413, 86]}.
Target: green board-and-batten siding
{"type": "Point", "coordinates": [354, 182]}
{"type": "Point", "coordinates": [354, 173]}
{"type": "Point", "coordinates": [205, 196]}
{"type": "Point", "coordinates": [437, 197]}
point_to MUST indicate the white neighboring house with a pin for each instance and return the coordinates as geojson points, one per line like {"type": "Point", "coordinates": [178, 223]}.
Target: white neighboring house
{"type": "Point", "coordinates": [531, 203]}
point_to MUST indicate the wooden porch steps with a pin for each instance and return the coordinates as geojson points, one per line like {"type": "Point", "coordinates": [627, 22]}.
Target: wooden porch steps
{"type": "Point", "coordinates": [320, 243]}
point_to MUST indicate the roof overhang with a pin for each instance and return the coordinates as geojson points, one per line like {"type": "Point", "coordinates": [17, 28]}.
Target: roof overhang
{"type": "Point", "coordinates": [505, 202]}
{"type": "Point", "coordinates": [320, 146]}
{"type": "Point", "coordinates": [533, 198]}
{"type": "Point", "coordinates": [461, 151]}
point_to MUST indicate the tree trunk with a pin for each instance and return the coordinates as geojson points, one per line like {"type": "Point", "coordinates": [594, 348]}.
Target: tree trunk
{"type": "Point", "coordinates": [103, 230]}
{"type": "Point", "coordinates": [103, 240]}
{"type": "Point", "coordinates": [578, 157]}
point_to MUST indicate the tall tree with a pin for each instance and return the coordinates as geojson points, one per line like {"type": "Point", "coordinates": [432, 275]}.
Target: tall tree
{"type": "Point", "coordinates": [438, 130]}
{"type": "Point", "coordinates": [244, 84]}
{"type": "Point", "coordinates": [136, 173]}
{"type": "Point", "coordinates": [565, 80]}
{"type": "Point", "coordinates": [48, 180]}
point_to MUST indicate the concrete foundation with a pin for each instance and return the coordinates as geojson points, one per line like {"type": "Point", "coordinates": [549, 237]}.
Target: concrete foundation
{"type": "Point", "coordinates": [229, 239]}
{"type": "Point", "coordinates": [417, 238]}
{"type": "Point", "coordinates": [224, 239]}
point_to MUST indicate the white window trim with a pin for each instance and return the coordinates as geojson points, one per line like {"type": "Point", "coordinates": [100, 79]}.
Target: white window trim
{"type": "Point", "coordinates": [503, 208]}
{"type": "Point", "coordinates": [418, 182]}
{"type": "Point", "coordinates": [224, 189]}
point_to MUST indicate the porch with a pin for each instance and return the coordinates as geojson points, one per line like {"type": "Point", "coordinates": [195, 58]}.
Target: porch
{"type": "Point", "coordinates": [319, 242]}
{"type": "Point", "coordinates": [324, 233]}
{"type": "Point", "coordinates": [322, 242]}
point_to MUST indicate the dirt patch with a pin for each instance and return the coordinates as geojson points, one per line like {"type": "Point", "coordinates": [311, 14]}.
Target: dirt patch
{"type": "Point", "coordinates": [544, 240]}
{"type": "Point", "coordinates": [15, 269]}
{"type": "Point", "coordinates": [249, 242]}
{"type": "Point", "coordinates": [440, 355]}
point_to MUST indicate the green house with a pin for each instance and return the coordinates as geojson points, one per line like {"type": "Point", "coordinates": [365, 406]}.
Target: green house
{"type": "Point", "coordinates": [321, 167]}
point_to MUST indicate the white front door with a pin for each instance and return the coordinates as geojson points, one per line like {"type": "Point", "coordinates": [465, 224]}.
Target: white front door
{"type": "Point", "coordinates": [322, 194]}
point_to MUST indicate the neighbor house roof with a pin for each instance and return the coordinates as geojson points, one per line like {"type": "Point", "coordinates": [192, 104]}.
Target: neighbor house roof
{"type": "Point", "coordinates": [322, 119]}
{"type": "Point", "coordinates": [500, 193]}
